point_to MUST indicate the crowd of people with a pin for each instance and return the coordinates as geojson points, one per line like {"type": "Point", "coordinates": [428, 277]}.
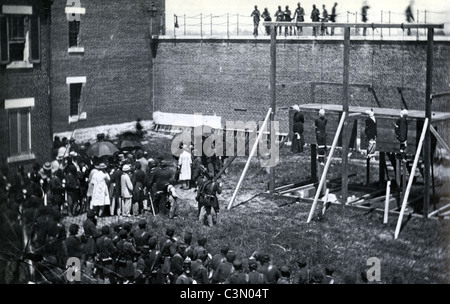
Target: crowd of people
{"type": "Point", "coordinates": [315, 16]}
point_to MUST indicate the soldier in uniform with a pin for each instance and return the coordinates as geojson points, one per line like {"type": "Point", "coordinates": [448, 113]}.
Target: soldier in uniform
{"type": "Point", "coordinates": [115, 234]}
{"type": "Point", "coordinates": [176, 264]}
{"type": "Point", "coordinates": [287, 18]}
{"type": "Point", "coordinates": [167, 245]}
{"type": "Point", "coordinates": [189, 250]}
{"type": "Point", "coordinates": [141, 235]}
{"type": "Point", "coordinates": [126, 255]}
{"type": "Point", "coordinates": [155, 262]}
{"type": "Point", "coordinates": [73, 242]}
{"type": "Point", "coordinates": [161, 177]}
{"type": "Point", "coordinates": [185, 277]}
{"type": "Point", "coordinates": [329, 270]}
{"type": "Point", "coordinates": [255, 277]}
{"type": "Point", "coordinates": [238, 276]}
{"type": "Point", "coordinates": [90, 234]}
{"type": "Point", "coordinates": [324, 29]}
{"type": "Point", "coordinates": [219, 257]}
{"type": "Point", "coordinates": [285, 275]}
{"type": "Point", "coordinates": [225, 269]}
{"type": "Point", "coordinates": [143, 273]}
{"type": "Point", "coordinates": [321, 136]}
{"type": "Point", "coordinates": [210, 209]}
{"type": "Point", "coordinates": [106, 254]}
{"type": "Point", "coordinates": [269, 270]}
{"type": "Point", "coordinates": [199, 270]}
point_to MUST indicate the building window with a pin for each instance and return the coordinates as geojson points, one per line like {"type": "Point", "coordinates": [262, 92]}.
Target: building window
{"type": "Point", "coordinates": [75, 85]}
{"type": "Point", "coordinates": [19, 126]}
{"type": "Point", "coordinates": [74, 31]}
{"type": "Point", "coordinates": [19, 37]}
{"type": "Point", "coordinates": [19, 131]}
{"type": "Point", "coordinates": [75, 96]}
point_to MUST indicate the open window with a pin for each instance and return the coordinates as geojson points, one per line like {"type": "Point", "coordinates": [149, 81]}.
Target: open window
{"type": "Point", "coordinates": [19, 37]}
{"type": "Point", "coordinates": [19, 126]}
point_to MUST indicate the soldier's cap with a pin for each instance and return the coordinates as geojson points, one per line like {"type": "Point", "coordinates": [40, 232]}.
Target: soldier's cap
{"type": "Point", "coordinates": [73, 228]}
{"type": "Point", "coordinates": [317, 275]}
{"type": "Point", "coordinates": [187, 236]}
{"type": "Point", "coordinates": [142, 222]}
{"type": "Point", "coordinates": [224, 249]}
{"type": "Point", "coordinates": [202, 240]}
{"type": "Point", "coordinates": [145, 249]}
{"type": "Point", "coordinates": [127, 226]}
{"type": "Point", "coordinates": [90, 213]}
{"type": "Point", "coordinates": [303, 277]}
{"type": "Point", "coordinates": [187, 262]}
{"type": "Point", "coordinates": [105, 229]}
{"type": "Point", "coordinates": [231, 256]}
{"type": "Point", "coordinates": [152, 242]}
{"type": "Point", "coordinates": [117, 227]}
{"type": "Point", "coordinates": [123, 233]}
{"type": "Point", "coordinates": [170, 231]}
{"type": "Point", "coordinates": [265, 257]}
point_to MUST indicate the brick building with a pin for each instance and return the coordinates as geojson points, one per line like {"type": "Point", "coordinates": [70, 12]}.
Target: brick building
{"type": "Point", "coordinates": [25, 115]}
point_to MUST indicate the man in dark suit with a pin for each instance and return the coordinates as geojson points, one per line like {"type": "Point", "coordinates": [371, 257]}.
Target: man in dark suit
{"type": "Point", "coordinates": [401, 132]}
{"type": "Point", "coordinates": [321, 136]}
{"type": "Point", "coordinates": [256, 18]}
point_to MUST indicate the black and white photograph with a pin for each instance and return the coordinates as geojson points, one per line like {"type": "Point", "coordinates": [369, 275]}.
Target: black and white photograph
{"type": "Point", "coordinates": [206, 142]}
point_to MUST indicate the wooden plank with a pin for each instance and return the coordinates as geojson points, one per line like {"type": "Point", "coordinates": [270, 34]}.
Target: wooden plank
{"type": "Point", "coordinates": [411, 178]}
{"type": "Point", "coordinates": [386, 203]}
{"type": "Point", "coordinates": [438, 210]}
{"type": "Point", "coordinates": [439, 138]}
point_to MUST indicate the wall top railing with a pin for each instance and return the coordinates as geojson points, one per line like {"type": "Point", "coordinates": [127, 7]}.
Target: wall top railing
{"type": "Point", "coordinates": [355, 25]}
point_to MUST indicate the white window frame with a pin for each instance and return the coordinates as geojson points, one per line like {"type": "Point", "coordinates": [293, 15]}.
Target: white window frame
{"type": "Point", "coordinates": [73, 80]}
{"type": "Point", "coordinates": [79, 11]}
{"type": "Point", "coordinates": [20, 10]}
{"type": "Point", "coordinates": [20, 103]}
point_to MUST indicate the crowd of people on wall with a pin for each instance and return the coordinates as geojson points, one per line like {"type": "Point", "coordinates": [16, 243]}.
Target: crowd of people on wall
{"type": "Point", "coordinates": [299, 16]}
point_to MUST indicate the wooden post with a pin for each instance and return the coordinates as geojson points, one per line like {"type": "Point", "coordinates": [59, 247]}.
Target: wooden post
{"type": "Point", "coordinates": [386, 204]}
{"type": "Point", "coordinates": [411, 178]}
{"type": "Point", "coordinates": [427, 143]}
{"type": "Point", "coordinates": [398, 172]}
{"type": "Point", "coordinates": [367, 171]}
{"type": "Point", "coordinates": [273, 96]}
{"type": "Point", "coordinates": [327, 165]}
{"type": "Point", "coordinates": [313, 162]}
{"type": "Point", "coordinates": [381, 166]}
{"type": "Point", "coordinates": [345, 110]}
{"type": "Point", "coordinates": [254, 149]}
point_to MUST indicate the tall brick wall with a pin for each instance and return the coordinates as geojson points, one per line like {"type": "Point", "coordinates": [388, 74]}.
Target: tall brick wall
{"type": "Point", "coordinates": [25, 83]}
{"type": "Point", "coordinates": [219, 76]}
{"type": "Point", "coordinates": [116, 62]}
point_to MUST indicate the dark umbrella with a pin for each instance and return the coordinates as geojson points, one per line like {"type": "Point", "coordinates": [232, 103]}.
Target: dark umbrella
{"type": "Point", "coordinates": [129, 145]}
{"type": "Point", "coordinates": [101, 148]}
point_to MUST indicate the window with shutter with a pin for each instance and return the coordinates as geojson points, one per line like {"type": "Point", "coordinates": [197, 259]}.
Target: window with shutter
{"type": "Point", "coordinates": [16, 37]}
{"type": "Point", "coordinates": [35, 39]}
{"type": "Point", "coordinates": [4, 40]}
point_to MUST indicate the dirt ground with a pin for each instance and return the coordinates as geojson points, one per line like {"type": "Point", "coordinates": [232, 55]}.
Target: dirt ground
{"type": "Point", "coordinates": [345, 237]}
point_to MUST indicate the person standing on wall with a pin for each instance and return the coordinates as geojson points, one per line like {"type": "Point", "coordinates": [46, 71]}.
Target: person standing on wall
{"type": "Point", "coordinates": [298, 141]}
{"type": "Point", "coordinates": [279, 17]}
{"type": "Point", "coordinates": [299, 17]}
{"type": "Point", "coordinates": [287, 18]}
{"type": "Point", "coordinates": [409, 15]}
{"type": "Point", "coordinates": [364, 15]}
{"type": "Point", "coordinates": [333, 17]}
{"type": "Point", "coordinates": [323, 28]}
{"type": "Point", "coordinates": [315, 17]}
{"type": "Point", "coordinates": [266, 16]}
{"type": "Point", "coordinates": [256, 18]}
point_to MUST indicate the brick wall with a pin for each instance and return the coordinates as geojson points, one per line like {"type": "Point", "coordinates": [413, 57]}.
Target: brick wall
{"type": "Point", "coordinates": [213, 76]}
{"type": "Point", "coordinates": [25, 83]}
{"type": "Point", "coordinates": [116, 62]}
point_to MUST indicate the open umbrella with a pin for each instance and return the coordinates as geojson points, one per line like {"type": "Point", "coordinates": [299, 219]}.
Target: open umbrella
{"type": "Point", "coordinates": [129, 145]}
{"type": "Point", "coordinates": [101, 148]}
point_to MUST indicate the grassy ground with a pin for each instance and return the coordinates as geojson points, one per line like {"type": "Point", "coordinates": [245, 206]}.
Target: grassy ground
{"type": "Point", "coordinates": [345, 237]}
